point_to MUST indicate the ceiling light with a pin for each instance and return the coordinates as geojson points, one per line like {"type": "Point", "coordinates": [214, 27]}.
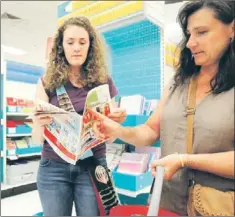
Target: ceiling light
{"type": "Point", "coordinates": [12, 50]}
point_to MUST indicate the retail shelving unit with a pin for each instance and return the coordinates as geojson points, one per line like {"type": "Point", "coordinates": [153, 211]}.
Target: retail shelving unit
{"type": "Point", "coordinates": [2, 116]}
{"type": "Point", "coordinates": [18, 165]}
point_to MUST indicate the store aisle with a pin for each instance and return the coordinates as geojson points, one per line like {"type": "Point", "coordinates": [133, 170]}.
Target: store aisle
{"type": "Point", "coordinates": [27, 204]}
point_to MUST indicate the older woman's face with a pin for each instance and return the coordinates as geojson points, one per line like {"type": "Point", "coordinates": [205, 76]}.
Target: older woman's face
{"type": "Point", "coordinates": [208, 37]}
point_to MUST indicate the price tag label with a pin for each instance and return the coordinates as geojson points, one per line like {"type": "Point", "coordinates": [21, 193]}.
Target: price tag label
{"type": "Point", "coordinates": [11, 108]}
{"type": "Point", "coordinates": [11, 152]}
{"type": "Point", "coordinates": [11, 130]}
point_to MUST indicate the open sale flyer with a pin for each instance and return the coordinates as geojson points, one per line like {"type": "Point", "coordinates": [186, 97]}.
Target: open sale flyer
{"type": "Point", "coordinates": [70, 134]}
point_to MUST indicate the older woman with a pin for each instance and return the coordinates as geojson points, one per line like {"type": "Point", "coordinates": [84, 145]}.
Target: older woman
{"type": "Point", "coordinates": [197, 138]}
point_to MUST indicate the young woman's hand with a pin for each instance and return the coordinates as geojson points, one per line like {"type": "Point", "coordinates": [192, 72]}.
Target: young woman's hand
{"type": "Point", "coordinates": [171, 163]}
{"type": "Point", "coordinates": [41, 119]}
{"type": "Point", "coordinates": [118, 115]}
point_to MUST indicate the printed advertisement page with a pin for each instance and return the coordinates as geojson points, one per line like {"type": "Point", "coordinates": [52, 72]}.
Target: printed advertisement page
{"type": "Point", "coordinates": [70, 134]}
{"type": "Point", "coordinates": [99, 100]}
{"type": "Point", "coordinates": [63, 134]}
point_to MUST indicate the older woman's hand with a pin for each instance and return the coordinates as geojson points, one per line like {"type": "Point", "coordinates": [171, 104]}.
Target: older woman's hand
{"type": "Point", "coordinates": [172, 163]}
{"type": "Point", "coordinates": [118, 115]}
{"type": "Point", "coordinates": [104, 127]}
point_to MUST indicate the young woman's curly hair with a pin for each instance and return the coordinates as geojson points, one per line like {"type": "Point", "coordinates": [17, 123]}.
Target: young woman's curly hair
{"type": "Point", "coordinates": [94, 70]}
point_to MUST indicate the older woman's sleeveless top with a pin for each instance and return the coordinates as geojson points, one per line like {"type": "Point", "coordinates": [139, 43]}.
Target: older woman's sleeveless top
{"type": "Point", "coordinates": [213, 133]}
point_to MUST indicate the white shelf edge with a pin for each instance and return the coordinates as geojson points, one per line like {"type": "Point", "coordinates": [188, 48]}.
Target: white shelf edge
{"type": "Point", "coordinates": [133, 193]}
{"type": "Point", "coordinates": [25, 155]}
{"type": "Point", "coordinates": [18, 114]}
{"type": "Point", "coordinates": [18, 135]}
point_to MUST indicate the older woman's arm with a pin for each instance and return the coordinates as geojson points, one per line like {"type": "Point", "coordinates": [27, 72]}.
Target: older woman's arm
{"type": "Point", "coordinates": [221, 164]}
{"type": "Point", "coordinates": [142, 135]}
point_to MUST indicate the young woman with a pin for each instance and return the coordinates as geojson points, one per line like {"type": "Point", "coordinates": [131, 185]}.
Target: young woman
{"type": "Point", "coordinates": [77, 63]}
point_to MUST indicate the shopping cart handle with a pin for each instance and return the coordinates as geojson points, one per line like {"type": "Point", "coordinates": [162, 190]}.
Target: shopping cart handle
{"type": "Point", "coordinates": [157, 190]}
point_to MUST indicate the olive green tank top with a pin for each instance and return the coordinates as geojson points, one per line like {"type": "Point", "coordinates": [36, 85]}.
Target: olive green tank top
{"type": "Point", "coordinates": [213, 133]}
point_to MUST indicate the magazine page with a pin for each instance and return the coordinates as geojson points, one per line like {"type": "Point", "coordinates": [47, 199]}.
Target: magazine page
{"type": "Point", "coordinates": [63, 134]}
{"type": "Point", "coordinates": [99, 100]}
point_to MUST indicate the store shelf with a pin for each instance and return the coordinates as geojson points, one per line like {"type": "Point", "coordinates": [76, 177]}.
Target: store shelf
{"type": "Point", "coordinates": [16, 157]}
{"type": "Point", "coordinates": [19, 135]}
{"type": "Point", "coordinates": [14, 126]}
{"type": "Point", "coordinates": [24, 152]}
{"type": "Point", "coordinates": [23, 114]}
{"type": "Point", "coordinates": [6, 187]}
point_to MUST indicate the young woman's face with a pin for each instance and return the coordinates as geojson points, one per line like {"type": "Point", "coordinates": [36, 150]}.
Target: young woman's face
{"type": "Point", "coordinates": [76, 45]}
{"type": "Point", "coordinates": [208, 37]}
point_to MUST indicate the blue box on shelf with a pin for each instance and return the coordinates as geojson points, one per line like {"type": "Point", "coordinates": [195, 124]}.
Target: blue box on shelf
{"type": "Point", "coordinates": [29, 150]}
{"type": "Point", "coordinates": [132, 182]}
{"type": "Point", "coordinates": [23, 129]}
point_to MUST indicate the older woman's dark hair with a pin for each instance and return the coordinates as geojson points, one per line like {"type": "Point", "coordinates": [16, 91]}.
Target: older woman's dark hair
{"type": "Point", "coordinates": [225, 77]}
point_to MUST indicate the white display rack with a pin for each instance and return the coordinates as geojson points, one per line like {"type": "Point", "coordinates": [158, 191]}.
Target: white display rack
{"type": "Point", "coordinates": [18, 114]}
{"type": "Point", "coordinates": [15, 157]}
{"type": "Point", "coordinates": [11, 159]}
{"type": "Point", "coordinates": [3, 117]}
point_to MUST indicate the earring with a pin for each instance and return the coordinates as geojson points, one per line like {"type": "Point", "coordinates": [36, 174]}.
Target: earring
{"type": "Point", "coordinates": [192, 57]}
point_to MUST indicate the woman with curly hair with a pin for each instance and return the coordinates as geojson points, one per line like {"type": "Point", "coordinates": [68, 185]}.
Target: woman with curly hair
{"type": "Point", "coordinates": [77, 63]}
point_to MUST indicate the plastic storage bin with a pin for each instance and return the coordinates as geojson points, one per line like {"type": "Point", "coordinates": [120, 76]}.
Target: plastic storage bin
{"type": "Point", "coordinates": [132, 182]}
{"type": "Point", "coordinates": [26, 172]}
